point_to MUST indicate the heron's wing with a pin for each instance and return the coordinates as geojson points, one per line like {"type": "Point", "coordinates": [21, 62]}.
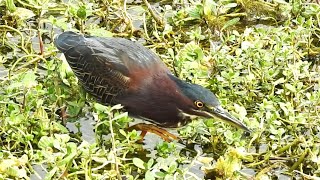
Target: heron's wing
{"type": "Point", "coordinates": [106, 66]}
{"type": "Point", "coordinates": [129, 54]}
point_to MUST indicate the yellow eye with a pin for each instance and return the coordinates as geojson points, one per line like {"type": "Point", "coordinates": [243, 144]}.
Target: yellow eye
{"type": "Point", "coordinates": [199, 104]}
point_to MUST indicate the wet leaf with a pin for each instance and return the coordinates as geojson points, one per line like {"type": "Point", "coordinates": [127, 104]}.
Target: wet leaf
{"type": "Point", "coordinates": [29, 80]}
{"type": "Point", "coordinates": [208, 7]}
{"type": "Point", "coordinates": [101, 32]}
{"type": "Point", "coordinates": [150, 163]}
{"type": "Point", "coordinates": [24, 14]}
{"type": "Point", "coordinates": [45, 142]}
{"type": "Point", "coordinates": [120, 116]}
{"type": "Point", "coordinates": [230, 23]}
{"type": "Point", "coordinates": [138, 162]}
{"type": "Point", "coordinates": [149, 176]}
{"type": "Point", "coordinates": [51, 173]}
{"type": "Point", "coordinates": [290, 87]}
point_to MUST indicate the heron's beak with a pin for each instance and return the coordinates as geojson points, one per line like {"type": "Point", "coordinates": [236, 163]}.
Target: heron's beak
{"type": "Point", "coordinates": [223, 115]}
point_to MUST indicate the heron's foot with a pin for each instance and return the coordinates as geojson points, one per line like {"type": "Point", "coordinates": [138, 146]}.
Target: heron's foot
{"type": "Point", "coordinates": [144, 128]}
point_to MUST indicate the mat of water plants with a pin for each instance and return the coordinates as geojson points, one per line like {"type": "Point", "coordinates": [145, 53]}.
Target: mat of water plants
{"type": "Point", "coordinates": [261, 58]}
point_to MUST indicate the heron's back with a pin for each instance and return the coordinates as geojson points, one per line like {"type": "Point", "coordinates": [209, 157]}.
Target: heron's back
{"type": "Point", "coordinates": [95, 65]}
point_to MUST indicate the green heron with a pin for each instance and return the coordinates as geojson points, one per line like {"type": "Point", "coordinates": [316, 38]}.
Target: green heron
{"type": "Point", "coordinates": [119, 71]}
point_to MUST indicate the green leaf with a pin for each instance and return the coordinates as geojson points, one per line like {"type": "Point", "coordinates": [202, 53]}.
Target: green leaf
{"type": "Point", "coordinates": [82, 12]}
{"type": "Point", "coordinates": [101, 32]}
{"type": "Point", "coordinates": [29, 79]}
{"type": "Point", "coordinates": [279, 81]}
{"type": "Point", "coordinates": [71, 147]}
{"type": "Point", "coordinates": [150, 163]}
{"type": "Point", "coordinates": [208, 7]}
{"type": "Point", "coordinates": [51, 173]}
{"type": "Point", "coordinates": [231, 5]}
{"type": "Point", "coordinates": [173, 167]}
{"type": "Point", "coordinates": [138, 162]}
{"type": "Point", "coordinates": [116, 107]}
{"type": "Point", "coordinates": [24, 14]}
{"type": "Point", "coordinates": [45, 142]}
{"type": "Point", "coordinates": [99, 107]}
{"type": "Point", "coordinates": [195, 12]}
{"type": "Point", "coordinates": [64, 138]}
{"type": "Point", "coordinates": [241, 111]}
{"type": "Point", "coordinates": [11, 6]}
{"type": "Point", "coordinates": [230, 23]}
{"type": "Point", "coordinates": [149, 176]}
{"type": "Point", "coordinates": [290, 87]}
{"type": "Point", "coordinates": [160, 174]}
{"type": "Point", "coordinates": [72, 152]}
{"type": "Point", "coordinates": [12, 171]}
{"type": "Point", "coordinates": [120, 116]}
{"type": "Point", "coordinates": [60, 128]}
{"type": "Point", "coordinates": [124, 133]}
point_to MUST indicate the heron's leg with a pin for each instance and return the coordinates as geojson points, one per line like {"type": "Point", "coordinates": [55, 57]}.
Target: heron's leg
{"type": "Point", "coordinates": [144, 128]}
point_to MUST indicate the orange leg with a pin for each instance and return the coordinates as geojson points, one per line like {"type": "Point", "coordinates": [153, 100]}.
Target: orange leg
{"type": "Point", "coordinates": [144, 128]}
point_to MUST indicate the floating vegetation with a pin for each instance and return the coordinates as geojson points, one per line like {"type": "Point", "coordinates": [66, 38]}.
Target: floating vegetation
{"type": "Point", "coordinates": [261, 58]}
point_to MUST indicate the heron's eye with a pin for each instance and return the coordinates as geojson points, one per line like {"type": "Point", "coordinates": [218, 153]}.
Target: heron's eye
{"type": "Point", "coordinates": [199, 104]}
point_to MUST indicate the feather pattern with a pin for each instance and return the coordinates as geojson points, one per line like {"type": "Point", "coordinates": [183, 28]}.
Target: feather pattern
{"type": "Point", "coordinates": [107, 67]}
